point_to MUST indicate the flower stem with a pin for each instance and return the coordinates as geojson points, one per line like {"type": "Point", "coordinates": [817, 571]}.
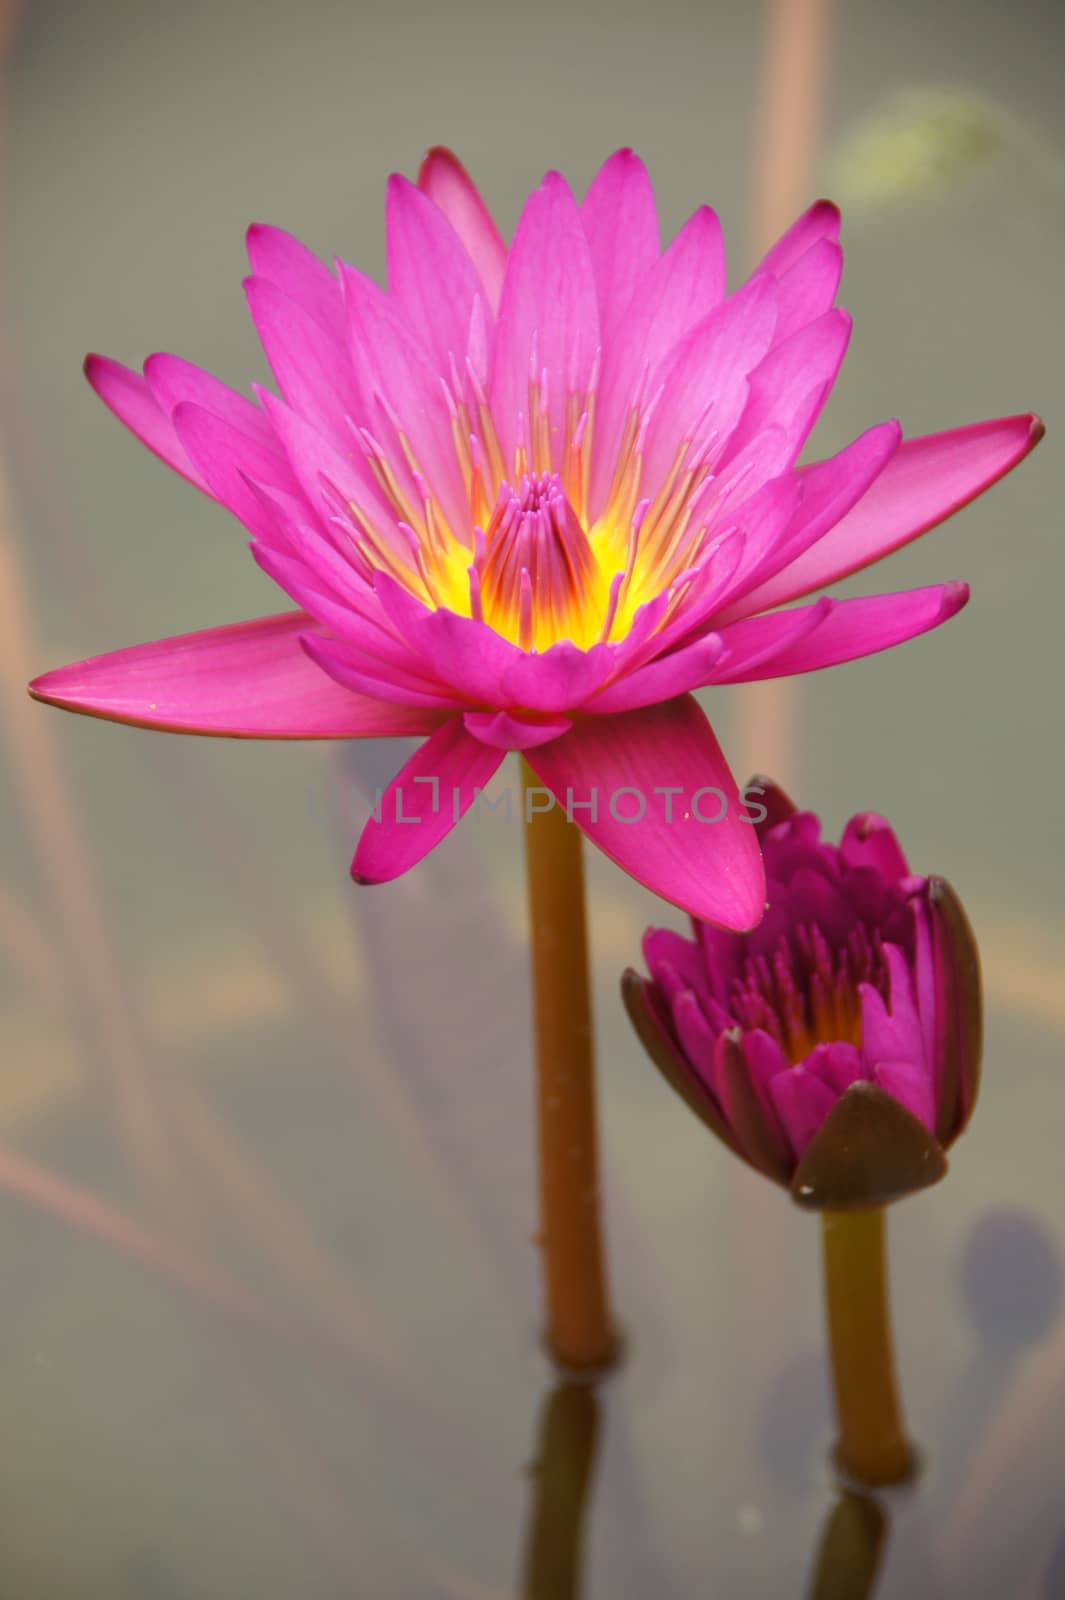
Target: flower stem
{"type": "Point", "coordinates": [579, 1331]}
{"type": "Point", "coordinates": [873, 1447]}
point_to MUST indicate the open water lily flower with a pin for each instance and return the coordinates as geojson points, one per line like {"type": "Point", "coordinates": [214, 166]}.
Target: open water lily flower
{"type": "Point", "coordinates": [836, 1048]}
{"type": "Point", "coordinates": [529, 499]}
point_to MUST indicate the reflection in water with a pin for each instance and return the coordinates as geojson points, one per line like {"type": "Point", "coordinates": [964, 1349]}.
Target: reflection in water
{"type": "Point", "coordinates": [851, 1549]}
{"type": "Point", "coordinates": [1011, 1289]}
{"type": "Point", "coordinates": [1011, 1279]}
{"type": "Point", "coordinates": [562, 1476]}
{"type": "Point", "coordinates": [1001, 1417]}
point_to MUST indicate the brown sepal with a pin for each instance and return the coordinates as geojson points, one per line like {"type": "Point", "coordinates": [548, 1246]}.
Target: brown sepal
{"type": "Point", "coordinates": [759, 1137]}
{"type": "Point", "coordinates": [656, 1036]}
{"type": "Point", "coordinates": [868, 1151]}
{"type": "Point", "coordinates": [778, 805]}
{"type": "Point", "coordinates": [959, 1010]}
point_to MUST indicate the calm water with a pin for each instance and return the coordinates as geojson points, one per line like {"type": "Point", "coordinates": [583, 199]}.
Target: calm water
{"type": "Point", "coordinates": [324, 1095]}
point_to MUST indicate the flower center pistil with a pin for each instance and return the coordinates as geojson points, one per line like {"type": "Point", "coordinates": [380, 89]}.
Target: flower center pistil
{"type": "Point", "coordinates": [806, 992]}
{"type": "Point", "coordinates": [534, 577]}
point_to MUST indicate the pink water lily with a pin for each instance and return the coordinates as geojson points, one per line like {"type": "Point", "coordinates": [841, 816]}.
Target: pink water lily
{"type": "Point", "coordinates": [529, 499]}
{"type": "Point", "coordinates": [836, 1048]}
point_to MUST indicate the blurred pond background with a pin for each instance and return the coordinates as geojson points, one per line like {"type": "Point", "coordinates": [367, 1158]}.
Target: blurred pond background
{"type": "Point", "coordinates": [269, 1317]}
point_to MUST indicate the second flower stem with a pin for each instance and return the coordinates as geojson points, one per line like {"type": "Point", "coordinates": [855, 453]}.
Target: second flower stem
{"type": "Point", "coordinates": [873, 1448]}
{"type": "Point", "coordinates": [579, 1333]}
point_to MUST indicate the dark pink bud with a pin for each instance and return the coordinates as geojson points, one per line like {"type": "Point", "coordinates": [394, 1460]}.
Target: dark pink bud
{"type": "Point", "coordinates": [836, 1047]}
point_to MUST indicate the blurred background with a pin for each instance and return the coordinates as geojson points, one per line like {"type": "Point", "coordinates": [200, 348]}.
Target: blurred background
{"type": "Point", "coordinates": [268, 1298]}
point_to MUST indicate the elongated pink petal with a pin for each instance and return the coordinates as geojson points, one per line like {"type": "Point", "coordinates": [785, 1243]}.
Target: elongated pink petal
{"type": "Point", "coordinates": [174, 381]}
{"type": "Point", "coordinates": [447, 183]}
{"type": "Point", "coordinates": [250, 680]}
{"type": "Point", "coordinates": [828, 491]}
{"type": "Point", "coordinates": [679, 291]}
{"type": "Point", "coordinates": [504, 732]}
{"type": "Point", "coordinates": [130, 397]}
{"type": "Point", "coordinates": [808, 288]}
{"type": "Point", "coordinates": [704, 379]}
{"type": "Point", "coordinates": [821, 221]}
{"type": "Point", "coordinates": [431, 278]}
{"type": "Point", "coordinates": [627, 766]}
{"type": "Point", "coordinates": [227, 458]}
{"type": "Point", "coordinates": [298, 273]}
{"type": "Point", "coordinates": [366, 674]}
{"type": "Point", "coordinates": [342, 611]}
{"type": "Point", "coordinates": [312, 367]}
{"type": "Point", "coordinates": [780, 386]}
{"type": "Point", "coordinates": [688, 668]}
{"type": "Point", "coordinates": [926, 480]}
{"type": "Point", "coordinates": [401, 395]}
{"type": "Point", "coordinates": [459, 651]}
{"type": "Point", "coordinates": [548, 316]}
{"type": "Point", "coordinates": [424, 802]}
{"type": "Point", "coordinates": [322, 471]}
{"type": "Point", "coordinates": [845, 630]}
{"type": "Point", "coordinates": [621, 222]}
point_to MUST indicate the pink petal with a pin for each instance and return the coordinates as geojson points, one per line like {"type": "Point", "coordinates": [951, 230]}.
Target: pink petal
{"type": "Point", "coordinates": [562, 677]}
{"type": "Point", "coordinates": [431, 278]}
{"type": "Point", "coordinates": [821, 221]}
{"type": "Point", "coordinates": [174, 381]}
{"type": "Point", "coordinates": [367, 674]}
{"type": "Point", "coordinates": [312, 367]}
{"type": "Point", "coordinates": [829, 489]}
{"type": "Point", "coordinates": [802, 1101]}
{"type": "Point", "coordinates": [424, 802]}
{"type": "Point", "coordinates": [844, 631]}
{"type": "Point", "coordinates": [838, 1064]}
{"type": "Point", "coordinates": [680, 290]}
{"type": "Point", "coordinates": [548, 316]}
{"type": "Point", "coordinates": [893, 1031]}
{"type": "Point", "coordinates": [623, 763]}
{"type": "Point", "coordinates": [130, 397]}
{"type": "Point", "coordinates": [457, 650]}
{"type": "Point", "coordinates": [227, 458]}
{"type": "Point", "coordinates": [781, 386]}
{"type": "Point", "coordinates": [621, 222]}
{"type": "Point", "coordinates": [400, 388]}
{"type": "Point", "coordinates": [445, 180]}
{"type": "Point", "coordinates": [926, 480]}
{"type": "Point", "coordinates": [663, 947]}
{"type": "Point", "coordinates": [910, 1085]}
{"type": "Point", "coordinates": [298, 273]}
{"type": "Point", "coordinates": [504, 732]}
{"type": "Point", "coordinates": [806, 291]}
{"type": "Point", "coordinates": [704, 379]}
{"type": "Point", "coordinates": [869, 841]}
{"type": "Point", "coordinates": [664, 679]}
{"type": "Point", "coordinates": [697, 1038]}
{"type": "Point", "coordinates": [249, 680]}
{"type": "Point", "coordinates": [343, 611]}
{"type": "Point", "coordinates": [320, 467]}
{"type": "Point", "coordinates": [750, 644]}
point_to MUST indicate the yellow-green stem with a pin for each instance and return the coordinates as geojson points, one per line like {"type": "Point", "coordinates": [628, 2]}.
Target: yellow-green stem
{"type": "Point", "coordinates": [579, 1330]}
{"type": "Point", "coordinates": [873, 1447]}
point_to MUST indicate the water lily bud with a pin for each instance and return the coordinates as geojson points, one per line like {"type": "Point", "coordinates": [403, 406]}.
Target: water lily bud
{"type": "Point", "coordinates": [836, 1047]}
